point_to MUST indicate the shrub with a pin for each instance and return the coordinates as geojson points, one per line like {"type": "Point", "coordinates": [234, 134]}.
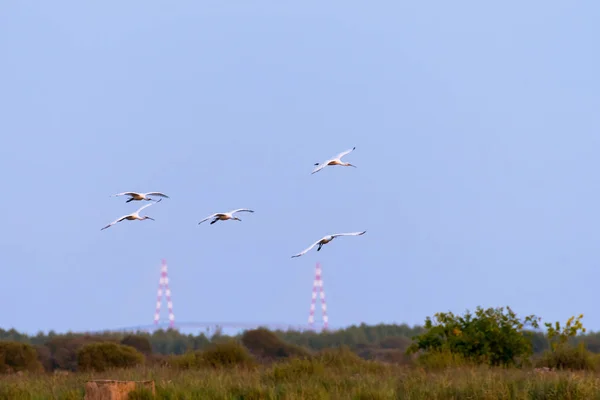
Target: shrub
{"type": "Point", "coordinates": [102, 356]}
{"type": "Point", "coordinates": [227, 354]}
{"type": "Point", "coordinates": [489, 336]}
{"type": "Point", "coordinates": [16, 356]}
{"type": "Point", "coordinates": [339, 356]}
{"type": "Point", "coordinates": [343, 357]}
{"type": "Point", "coordinates": [44, 356]}
{"type": "Point", "coordinates": [562, 354]}
{"type": "Point", "coordinates": [566, 356]}
{"type": "Point", "coordinates": [264, 344]}
{"type": "Point", "coordinates": [64, 349]}
{"type": "Point", "coordinates": [293, 370]}
{"type": "Point", "coordinates": [189, 360]}
{"type": "Point", "coordinates": [138, 342]}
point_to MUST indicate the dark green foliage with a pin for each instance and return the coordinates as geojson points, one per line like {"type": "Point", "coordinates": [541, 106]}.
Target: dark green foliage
{"type": "Point", "coordinates": [227, 354]}
{"type": "Point", "coordinates": [12, 335]}
{"type": "Point", "coordinates": [15, 356]}
{"type": "Point", "coordinates": [395, 342]}
{"type": "Point", "coordinates": [138, 342]}
{"type": "Point", "coordinates": [189, 360]}
{"type": "Point", "coordinates": [568, 357]}
{"type": "Point", "coordinates": [44, 356]}
{"type": "Point", "coordinates": [63, 350]}
{"type": "Point", "coordinates": [490, 336]}
{"type": "Point", "coordinates": [107, 355]}
{"type": "Point", "coordinates": [382, 342]}
{"type": "Point", "coordinates": [223, 354]}
{"type": "Point", "coordinates": [265, 345]}
{"type": "Point", "coordinates": [352, 336]}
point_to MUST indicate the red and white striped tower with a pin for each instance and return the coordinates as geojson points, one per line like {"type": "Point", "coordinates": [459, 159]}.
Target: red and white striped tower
{"type": "Point", "coordinates": [318, 285]}
{"type": "Point", "coordinates": [164, 283]}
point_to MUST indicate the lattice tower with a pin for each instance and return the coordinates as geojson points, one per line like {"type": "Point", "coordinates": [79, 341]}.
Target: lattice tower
{"type": "Point", "coordinates": [318, 286]}
{"type": "Point", "coordinates": [163, 288]}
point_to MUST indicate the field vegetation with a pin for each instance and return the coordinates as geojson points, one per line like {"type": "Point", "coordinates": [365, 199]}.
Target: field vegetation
{"type": "Point", "coordinates": [488, 354]}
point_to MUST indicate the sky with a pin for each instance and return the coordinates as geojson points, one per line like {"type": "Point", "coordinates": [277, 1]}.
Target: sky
{"type": "Point", "coordinates": [476, 128]}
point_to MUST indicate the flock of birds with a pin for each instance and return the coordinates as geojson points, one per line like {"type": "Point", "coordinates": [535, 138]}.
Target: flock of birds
{"type": "Point", "coordinates": [225, 216]}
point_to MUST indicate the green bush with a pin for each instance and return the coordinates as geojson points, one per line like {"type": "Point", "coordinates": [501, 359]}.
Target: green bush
{"type": "Point", "coordinates": [64, 349]}
{"type": "Point", "coordinates": [227, 354]}
{"type": "Point", "coordinates": [264, 344]}
{"type": "Point", "coordinates": [103, 356]}
{"type": "Point", "coordinates": [565, 356]}
{"type": "Point", "coordinates": [344, 358]}
{"type": "Point", "coordinates": [189, 360]}
{"type": "Point", "coordinates": [294, 370]}
{"type": "Point", "coordinates": [16, 357]}
{"type": "Point", "coordinates": [488, 336]}
{"type": "Point", "coordinates": [138, 342]}
{"type": "Point", "coordinates": [339, 356]}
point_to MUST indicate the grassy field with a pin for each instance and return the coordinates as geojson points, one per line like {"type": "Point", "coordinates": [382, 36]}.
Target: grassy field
{"type": "Point", "coordinates": [303, 379]}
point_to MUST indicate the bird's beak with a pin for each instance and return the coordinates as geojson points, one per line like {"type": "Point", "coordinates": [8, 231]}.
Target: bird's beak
{"type": "Point", "coordinates": [352, 165]}
{"type": "Point", "coordinates": [150, 218]}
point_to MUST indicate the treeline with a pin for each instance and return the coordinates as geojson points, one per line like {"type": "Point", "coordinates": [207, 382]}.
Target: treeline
{"type": "Point", "coordinates": [59, 351]}
{"type": "Point", "coordinates": [383, 342]}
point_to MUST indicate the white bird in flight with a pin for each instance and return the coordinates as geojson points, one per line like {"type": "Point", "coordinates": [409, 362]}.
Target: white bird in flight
{"type": "Point", "coordinates": [326, 239]}
{"type": "Point", "coordinates": [140, 196]}
{"type": "Point", "coordinates": [225, 216]}
{"type": "Point", "coordinates": [337, 160]}
{"type": "Point", "coordinates": [133, 216]}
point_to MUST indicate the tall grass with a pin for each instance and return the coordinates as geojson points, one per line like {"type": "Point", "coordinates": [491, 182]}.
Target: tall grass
{"type": "Point", "coordinates": [327, 377]}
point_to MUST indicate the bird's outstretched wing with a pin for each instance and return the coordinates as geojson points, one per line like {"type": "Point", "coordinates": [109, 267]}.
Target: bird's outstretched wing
{"type": "Point", "coordinates": [320, 167]}
{"type": "Point", "coordinates": [156, 194]}
{"type": "Point", "coordinates": [207, 218]}
{"type": "Point", "coordinates": [307, 249]}
{"type": "Point", "coordinates": [240, 210]}
{"type": "Point", "coordinates": [126, 194]}
{"type": "Point", "coordinates": [114, 222]}
{"type": "Point", "coordinates": [342, 154]}
{"type": "Point", "coordinates": [147, 205]}
{"type": "Point", "coordinates": [349, 234]}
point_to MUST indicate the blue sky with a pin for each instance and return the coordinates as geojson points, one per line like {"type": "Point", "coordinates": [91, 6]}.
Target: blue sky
{"type": "Point", "coordinates": [476, 128]}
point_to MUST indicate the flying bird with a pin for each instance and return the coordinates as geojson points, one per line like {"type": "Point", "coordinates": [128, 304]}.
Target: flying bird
{"type": "Point", "coordinates": [337, 160]}
{"type": "Point", "coordinates": [133, 216]}
{"type": "Point", "coordinates": [140, 196]}
{"type": "Point", "coordinates": [225, 216]}
{"type": "Point", "coordinates": [326, 239]}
